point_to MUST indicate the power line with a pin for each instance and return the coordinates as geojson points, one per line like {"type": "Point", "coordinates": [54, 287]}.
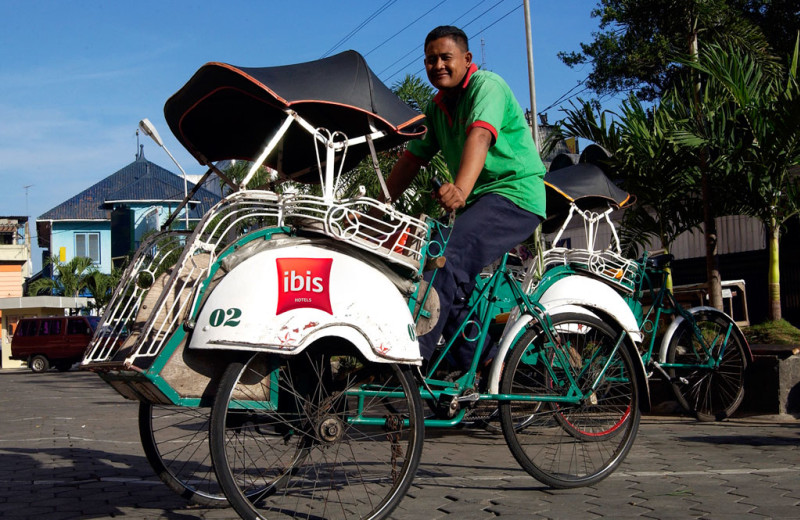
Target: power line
{"type": "Point", "coordinates": [566, 95]}
{"type": "Point", "coordinates": [402, 68]}
{"type": "Point", "coordinates": [416, 47]}
{"type": "Point", "coordinates": [483, 13]}
{"type": "Point", "coordinates": [404, 28]}
{"type": "Point", "coordinates": [465, 13]}
{"type": "Point", "coordinates": [360, 26]}
{"type": "Point", "coordinates": [472, 36]}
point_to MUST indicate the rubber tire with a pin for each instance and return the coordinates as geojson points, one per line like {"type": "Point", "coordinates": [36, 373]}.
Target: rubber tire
{"type": "Point", "coordinates": [175, 442]}
{"type": "Point", "coordinates": [711, 395]}
{"type": "Point", "coordinates": [39, 364]}
{"type": "Point", "coordinates": [569, 446]}
{"type": "Point", "coordinates": [289, 468]}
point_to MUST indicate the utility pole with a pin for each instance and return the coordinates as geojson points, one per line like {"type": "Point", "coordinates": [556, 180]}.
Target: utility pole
{"type": "Point", "coordinates": [531, 80]}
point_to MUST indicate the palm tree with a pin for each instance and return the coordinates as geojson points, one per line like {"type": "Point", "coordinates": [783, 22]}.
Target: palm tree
{"type": "Point", "coordinates": [756, 133]}
{"type": "Point", "coordinates": [101, 286]}
{"type": "Point", "coordinates": [69, 279]}
{"type": "Point", "coordinates": [414, 92]}
{"type": "Point", "coordinates": [656, 170]}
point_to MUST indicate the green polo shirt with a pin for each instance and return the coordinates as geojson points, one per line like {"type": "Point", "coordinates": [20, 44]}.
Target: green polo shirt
{"type": "Point", "coordinates": [513, 167]}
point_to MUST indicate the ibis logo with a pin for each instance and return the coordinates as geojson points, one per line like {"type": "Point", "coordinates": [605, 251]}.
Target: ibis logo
{"type": "Point", "coordinates": [304, 283]}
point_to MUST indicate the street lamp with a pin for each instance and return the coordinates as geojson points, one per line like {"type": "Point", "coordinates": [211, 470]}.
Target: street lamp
{"type": "Point", "coordinates": [147, 127]}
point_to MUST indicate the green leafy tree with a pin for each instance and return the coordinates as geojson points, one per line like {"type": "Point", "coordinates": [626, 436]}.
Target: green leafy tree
{"type": "Point", "coordinates": [755, 119]}
{"type": "Point", "coordinates": [414, 91]}
{"type": "Point", "coordinates": [779, 20]}
{"type": "Point", "coordinates": [69, 278]}
{"type": "Point", "coordinates": [639, 40]}
{"type": "Point", "coordinates": [101, 286]}
{"type": "Point", "coordinates": [263, 179]}
{"type": "Point", "coordinates": [639, 48]}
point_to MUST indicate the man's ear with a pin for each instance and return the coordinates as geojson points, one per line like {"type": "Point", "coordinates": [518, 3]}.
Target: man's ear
{"type": "Point", "coordinates": [468, 57]}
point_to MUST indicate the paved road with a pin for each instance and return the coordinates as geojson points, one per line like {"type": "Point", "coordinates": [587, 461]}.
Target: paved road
{"type": "Point", "coordinates": [69, 449]}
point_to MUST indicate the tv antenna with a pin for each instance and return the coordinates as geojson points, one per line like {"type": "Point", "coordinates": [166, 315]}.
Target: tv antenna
{"type": "Point", "coordinates": [26, 199]}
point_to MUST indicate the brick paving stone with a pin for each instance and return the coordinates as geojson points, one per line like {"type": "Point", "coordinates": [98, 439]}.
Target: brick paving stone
{"type": "Point", "coordinates": [722, 506]}
{"type": "Point", "coordinates": [535, 509]}
{"type": "Point", "coordinates": [31, 511]}
{"type": "Point", "coordinates": [788, 512]}
{"type": "Point", "coordinates": [72, 451]}
{"type": "Point", "coordinates": [460, 506]}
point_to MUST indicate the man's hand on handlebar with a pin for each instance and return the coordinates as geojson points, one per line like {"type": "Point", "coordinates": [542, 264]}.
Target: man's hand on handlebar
{"type": "Point", "coordinates": [450, 197]}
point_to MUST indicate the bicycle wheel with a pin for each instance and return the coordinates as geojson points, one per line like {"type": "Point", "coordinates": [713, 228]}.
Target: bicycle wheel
{"type": "Point", "coordinates": [565, 445]}
{"type": "Point", "coordinates": [175, 442]}
{"type": "Point", "coordinates": [710, 393]}
{"type": "Point", "coordinates": [333, 444]}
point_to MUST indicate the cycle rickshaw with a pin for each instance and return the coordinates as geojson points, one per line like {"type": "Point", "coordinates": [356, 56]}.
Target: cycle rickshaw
{"type": "Point", "coordinates": [286, 322]}
{"type": "Point", "coordinates": [701, 353]}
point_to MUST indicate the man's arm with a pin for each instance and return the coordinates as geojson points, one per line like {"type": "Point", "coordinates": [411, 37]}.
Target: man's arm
{"type": "Point", "coordinates": [473, 157]}
{"type": "Point", "coordinates": [403, 172]}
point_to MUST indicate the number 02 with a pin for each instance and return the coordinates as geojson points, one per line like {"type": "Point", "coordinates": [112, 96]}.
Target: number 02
{"type": "Point", "coordinates": [225, 317]}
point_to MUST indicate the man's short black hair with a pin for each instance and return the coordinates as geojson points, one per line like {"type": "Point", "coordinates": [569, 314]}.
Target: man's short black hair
{"type": "Point", "coordinates": [449, 31]}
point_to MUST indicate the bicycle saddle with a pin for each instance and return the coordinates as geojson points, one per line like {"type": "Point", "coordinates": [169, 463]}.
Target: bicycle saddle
{"type": "Point", "coordinates": [660, 261]}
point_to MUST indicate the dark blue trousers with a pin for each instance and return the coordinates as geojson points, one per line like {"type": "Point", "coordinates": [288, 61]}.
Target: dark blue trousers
{"type": "Point", "coordinates": [482, 233]}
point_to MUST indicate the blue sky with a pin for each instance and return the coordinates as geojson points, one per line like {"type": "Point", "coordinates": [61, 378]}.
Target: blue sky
{"type": "Point", "coordinates": [77, 76]}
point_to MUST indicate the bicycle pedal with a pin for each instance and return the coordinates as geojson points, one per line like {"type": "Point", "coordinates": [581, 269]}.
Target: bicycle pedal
{"type": "Point", "coordinates": [447, 406]}
{"type": "Point", "coordinates": [469, 397]}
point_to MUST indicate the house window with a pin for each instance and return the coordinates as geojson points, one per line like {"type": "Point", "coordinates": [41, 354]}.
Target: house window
{"type": "Point", "coordinates": [88, 244]}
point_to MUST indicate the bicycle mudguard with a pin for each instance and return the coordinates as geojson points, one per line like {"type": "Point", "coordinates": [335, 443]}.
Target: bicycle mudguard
{"type": "Point", "coordinates": [590, 293]}
{"type": "Point", "coordinates": [673, 327]}
{"type": "Point", "coordinates": [514, 327]}
{"type": "Point", "coordinates": [283, 299]}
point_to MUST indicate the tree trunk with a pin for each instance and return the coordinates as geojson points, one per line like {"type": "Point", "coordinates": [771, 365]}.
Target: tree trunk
{"type": "Point", "coordinates": [774, 277]}
{"type": "Point", "coordinates": [713, 278]}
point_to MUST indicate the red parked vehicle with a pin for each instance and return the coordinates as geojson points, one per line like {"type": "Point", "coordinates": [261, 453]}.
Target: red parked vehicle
{"type": "Point", "coordinates": [53, 341]}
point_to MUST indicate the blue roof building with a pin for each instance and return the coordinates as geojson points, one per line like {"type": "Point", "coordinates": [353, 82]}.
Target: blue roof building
{"type": "Point", "coordinates": [106, 221]}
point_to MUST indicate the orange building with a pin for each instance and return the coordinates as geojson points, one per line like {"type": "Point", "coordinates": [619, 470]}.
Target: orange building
{"type": "Point", "coordinates": [15, 268]}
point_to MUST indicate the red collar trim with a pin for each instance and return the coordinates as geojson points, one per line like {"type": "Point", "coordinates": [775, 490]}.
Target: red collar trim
{"type": "Point", "coordinates": [470, 71]}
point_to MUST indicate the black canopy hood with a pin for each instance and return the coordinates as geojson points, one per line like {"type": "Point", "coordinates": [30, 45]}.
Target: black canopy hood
{"type": "Point", "coordinates": [583, 184]}
{"type": "Point", "coordinates": [230, 112]}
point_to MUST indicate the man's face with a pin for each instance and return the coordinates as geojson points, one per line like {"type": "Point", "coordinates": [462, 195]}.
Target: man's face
{"type": "Point", "coordinates": [446, 63]}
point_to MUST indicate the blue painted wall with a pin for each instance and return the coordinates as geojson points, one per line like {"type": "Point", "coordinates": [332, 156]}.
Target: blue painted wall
{"type": "Point", "coordinates": [63, 235]}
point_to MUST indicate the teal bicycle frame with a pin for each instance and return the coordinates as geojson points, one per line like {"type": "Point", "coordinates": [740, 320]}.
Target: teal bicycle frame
{"type": "Point", "coordinates": [500, 293]}
{"type": "Point", "coordinates": [664, 304]}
